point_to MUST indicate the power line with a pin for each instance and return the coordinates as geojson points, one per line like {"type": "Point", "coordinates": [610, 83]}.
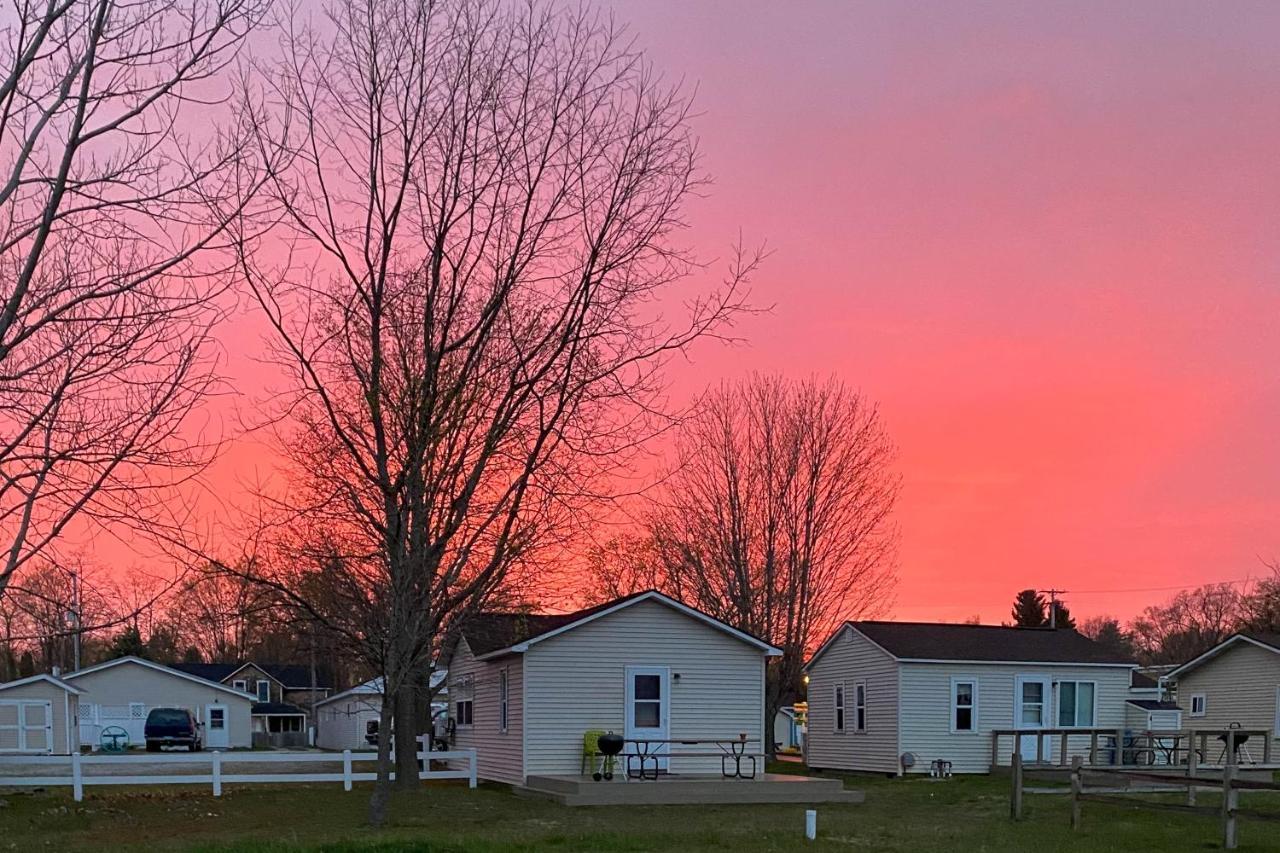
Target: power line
{"type": "Point", "coordinates": [1158, 588]}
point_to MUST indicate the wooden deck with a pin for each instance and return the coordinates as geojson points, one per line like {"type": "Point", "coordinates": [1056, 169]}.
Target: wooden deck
{"type": "Point", "coordinates": [680, 790]}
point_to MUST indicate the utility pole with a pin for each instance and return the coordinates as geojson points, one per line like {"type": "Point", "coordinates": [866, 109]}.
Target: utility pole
{"type": "Point", "coordinates": [74, 618]}
{"type": "Point", "coordinates": [1053, 604]}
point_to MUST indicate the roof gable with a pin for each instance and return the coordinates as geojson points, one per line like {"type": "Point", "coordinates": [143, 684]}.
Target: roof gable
{"type": "Point", "coordinates": [491, 635]}
{"type": "Point", "coordinates": [158, 667]}
{"type": "Point", "coordinates": [944, 641]}
{"type": "Point", "coordinates": [1268, 642]}
{"type": "Point", "coordinates": [42, 676]}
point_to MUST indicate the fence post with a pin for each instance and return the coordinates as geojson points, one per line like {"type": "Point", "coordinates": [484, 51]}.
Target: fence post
{"type": "Point", "coordinates": [1077, 788]}
{"type": "Point", "coordinates": [217, 774]}
{"type": "Point", "coordinates": [1015, 799]}
{"type": "Point", "coordinates": [1193, 768]}
{"type": "Point", "coordinates": [471, 764]}
{"type": "Point", "coordinates": [1119, 754]}
{"type": "Point", "coordinates": [346, 770]}
{"type": "Point", "coordinates": [1063, 751]}
{"type": "Point", "coordinates": [1229, 797]}
{"type": "Point", "coordinates": [77, 777]}
{"type": "Point", "coordinates": [1093, 748]}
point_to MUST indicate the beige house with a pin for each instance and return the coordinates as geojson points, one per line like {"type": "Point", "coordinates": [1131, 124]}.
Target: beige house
{"type": "Point", "coordinates": [893, 697]}
{"type": "Point", "coordinates": [1234, 684]}
{"type": "Point", "coordinates": [284, 695]}
{"type": "Point", "coordinates": [39, 715]}
{"type": "Point", "coordinates": [524, 687]}
{"type": "Point", "coordinates": [120, 693]}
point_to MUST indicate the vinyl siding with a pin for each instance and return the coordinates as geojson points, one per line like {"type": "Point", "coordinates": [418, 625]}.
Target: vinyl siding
{"type": "Point", "coordinates": [926, 709]}
{"type": "Point", "coordinates": [65, 709]}
{"type": "Point", "coordinates": [576, 681]}
{"type": "Point", "coordinates": [849, 658]}
{"type": "Point", "coordinates": [133, 682]}
{"type": "Point", "coordinates": [1239, 687]}
{"type": "Point", "coordinates": [341, 724]}
{"type": "Point", "coordinates": [499, 754]}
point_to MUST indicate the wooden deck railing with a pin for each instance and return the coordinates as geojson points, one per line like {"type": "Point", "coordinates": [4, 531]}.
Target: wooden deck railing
{"type": "Point", "coordinates": [1118, 747]}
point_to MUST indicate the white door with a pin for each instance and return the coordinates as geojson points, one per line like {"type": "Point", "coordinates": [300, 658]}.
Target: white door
{"type": "Point", "coordinates": [215, 727]}
{"type": "Point", "coordinates": [649, 708]}
{"type": "Point", "coordinates": [1031, 711]}
{"type": "Point", "coordinates": [26, 726]}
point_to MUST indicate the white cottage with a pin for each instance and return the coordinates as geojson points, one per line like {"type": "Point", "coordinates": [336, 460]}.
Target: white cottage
{"type": "Point", "coordinates": [525, 687]}
{"type": "Point", "coordinates": [120, 693]}
{"type": "Point", "coordinates": [894, 697]}
{"type": "Point", "coordinates": [350, 719]}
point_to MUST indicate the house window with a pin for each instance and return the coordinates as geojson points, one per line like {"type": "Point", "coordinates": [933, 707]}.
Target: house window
{"type": "Point", "coordinates": [839, 707]}
{"type": "Point", "coordinates": [241, 685]}
{"type": "Point", "coordinates": [264, 690]}
{"type": "Point", "coordinates": [1075, 704]}
{"type": "Point", "coordinates": [277, 725]}
{"type": "Point", "coordinates": [502, 700]}
{"type": "Point", "coordinates": [464, 705]}
{"type": "Point", "coordinates": [1199, 704]}
{"type": "Point", "coordinates": [860, 706]}
{"type": "Point", "coordinates": [964, 705]}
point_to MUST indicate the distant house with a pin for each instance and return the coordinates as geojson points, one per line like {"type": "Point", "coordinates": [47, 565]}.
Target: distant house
{"type": "Point", "coordinates": [120, 693]}
{"type": "Point", "coordinates": [1236, 683]}
{"type": "Point", "coordinates": [524, 687]}
{"type": "Point", "coordinates": [39, 714]}
{"type": "Point", "coordinates": [1148, 708]}
{"type": "Point", "coordinates": [350, 719]}
{"type": "Point", "coordinates": [283, 692]}
{"type": "Point", "coordinates": [786, 729]}
{"type": "Point", "coordinates": [879, 691]}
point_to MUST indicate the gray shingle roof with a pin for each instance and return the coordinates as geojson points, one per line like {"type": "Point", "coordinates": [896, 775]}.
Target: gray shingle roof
{"type": "Point", "coordinates": [946, 641]}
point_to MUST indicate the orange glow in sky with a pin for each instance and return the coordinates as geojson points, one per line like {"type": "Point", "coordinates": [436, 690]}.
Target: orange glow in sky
{"type": "Point", "coordinates": [1045, 237]}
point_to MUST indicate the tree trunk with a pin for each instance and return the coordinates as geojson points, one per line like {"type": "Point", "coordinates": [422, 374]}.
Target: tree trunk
{"type": "Point", "coordinates": [382, 787]}
{"type": "Point", "coordinates": [406, 725]}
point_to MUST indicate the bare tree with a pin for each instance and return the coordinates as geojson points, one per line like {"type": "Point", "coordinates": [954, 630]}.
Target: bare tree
{"type": "Point", "coordinates": [776, 518]}
{"type": "Point", "coordinates": [1190, 623]}
{"type": "Point", "coordinates": [107, 212]}
{"type": "Point", "coordinates": [479, 208]}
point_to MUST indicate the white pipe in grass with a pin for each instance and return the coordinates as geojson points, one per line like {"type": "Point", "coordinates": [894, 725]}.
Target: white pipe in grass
{"type": "Point", "coordinates": [811, 824]}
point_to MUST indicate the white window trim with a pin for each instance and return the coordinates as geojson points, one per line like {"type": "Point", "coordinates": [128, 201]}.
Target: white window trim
{"type": "Point", "coordinates": [466, 694]}
{"type": "Point", "coordinates": [257, 690]}
{"type": "Point", "coordinates": [240, 684]}
{"type": "Point", "coordinates": [1204, 705]}
{"type": "Point", "coordinates": [860, 720]}
{"type": "Point", "coordinates": [502, 700]}
{"type": "Point", "coordinates": [839, 708]}
{"type": "Point", "coordinates": [955, 682]}
{"type": "Point", "coordinates": [1057, 696]}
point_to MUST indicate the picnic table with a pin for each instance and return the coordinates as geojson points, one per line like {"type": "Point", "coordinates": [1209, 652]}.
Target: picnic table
{"type": "Point", "coordinates": [728, 750]}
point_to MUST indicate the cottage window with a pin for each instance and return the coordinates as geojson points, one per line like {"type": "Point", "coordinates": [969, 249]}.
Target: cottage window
{"type": "Point", "coordinates": [264, 690]}
{"type": "Point", "coordinates": [241, 685]}
{"type": "Point", "coordinates": [277, 724]}
{"type": "Point", "coordinates": [1199, 704]}
{"type": "Point", "coordinates": [464, 705]}
{"type": "Point", "coordinates": [964, 705]}
{"type": "Point", "coordinates": [860, 706]}
{"type": "Point", "coordinates": [502, 700]}
{"type": "Point", "coordinates": [1075, 704]}
{"type": "Point", "coordinates": [839, 703]}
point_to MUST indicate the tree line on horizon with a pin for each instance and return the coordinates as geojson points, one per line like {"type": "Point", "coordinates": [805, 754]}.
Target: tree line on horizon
{"type": "Point", "coordinates": [1188, 624]}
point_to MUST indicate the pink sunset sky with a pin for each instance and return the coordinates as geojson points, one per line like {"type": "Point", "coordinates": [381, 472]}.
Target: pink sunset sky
{"type": "Point", "coordinates": [1044, 237]}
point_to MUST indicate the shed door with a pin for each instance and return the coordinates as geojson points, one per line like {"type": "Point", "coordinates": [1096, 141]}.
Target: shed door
{"type": "Point", "coordinates": [216, 735]}
{"type": "Point", "coordinates": [649, 707]}
{"type": "Point", "coordinates": [26, 726]}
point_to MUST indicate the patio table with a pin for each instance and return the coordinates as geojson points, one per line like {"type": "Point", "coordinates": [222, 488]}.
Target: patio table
{"type": "Point", "coordinates": [655, 749]}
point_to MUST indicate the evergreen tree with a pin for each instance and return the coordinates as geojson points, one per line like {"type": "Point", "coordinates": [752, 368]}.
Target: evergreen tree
{"type": "Point", "coordinates": [1030, 610]}
{"type": "Point", "coordinates": [128, 643]}
{"type": "Point", "coordinates": [1062, 616]}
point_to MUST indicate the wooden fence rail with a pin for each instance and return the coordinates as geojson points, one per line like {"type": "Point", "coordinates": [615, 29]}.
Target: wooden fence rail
{"type": "Point", "coordinates": [1229, 782]}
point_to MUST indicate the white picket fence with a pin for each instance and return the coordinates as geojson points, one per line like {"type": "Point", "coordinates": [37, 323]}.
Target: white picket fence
{"type": "Point", "coordinates": [218, 772]}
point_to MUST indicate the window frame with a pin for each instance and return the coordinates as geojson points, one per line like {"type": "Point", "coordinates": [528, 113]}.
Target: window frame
{"type": "Point", "coordinates": [860, 706]}
{"type": "Point", "coordinates": [240, 684]}
{"type": "Point", "coordinates": [503, 695]}
{"type": "Point", "coordinates": [972, 681]}
{"type": "Point", "coordinates": [1093, 711]}
{"type": "Point", "coordinates": [257, 689]}
{"type": "Point", "coordinates": [466, 698]}
{"type": "Point", "coordinates": [838, 699]}
{"type": "Point", "coordinates": [1204, 705]}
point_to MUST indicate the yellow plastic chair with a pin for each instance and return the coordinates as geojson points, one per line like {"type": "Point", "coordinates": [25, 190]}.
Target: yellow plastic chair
{"type": "Point", "coordinates": [590, 749]}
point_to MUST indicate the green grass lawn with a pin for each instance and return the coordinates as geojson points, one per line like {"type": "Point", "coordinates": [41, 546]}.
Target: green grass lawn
{"type": "Point", "coordinates": [968, 814]}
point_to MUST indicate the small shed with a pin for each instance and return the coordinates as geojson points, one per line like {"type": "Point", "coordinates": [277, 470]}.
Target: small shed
{"type": "Point", "coordinates": [350, 719]}
{"type": "Point", "coordinates": [39, 715]}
